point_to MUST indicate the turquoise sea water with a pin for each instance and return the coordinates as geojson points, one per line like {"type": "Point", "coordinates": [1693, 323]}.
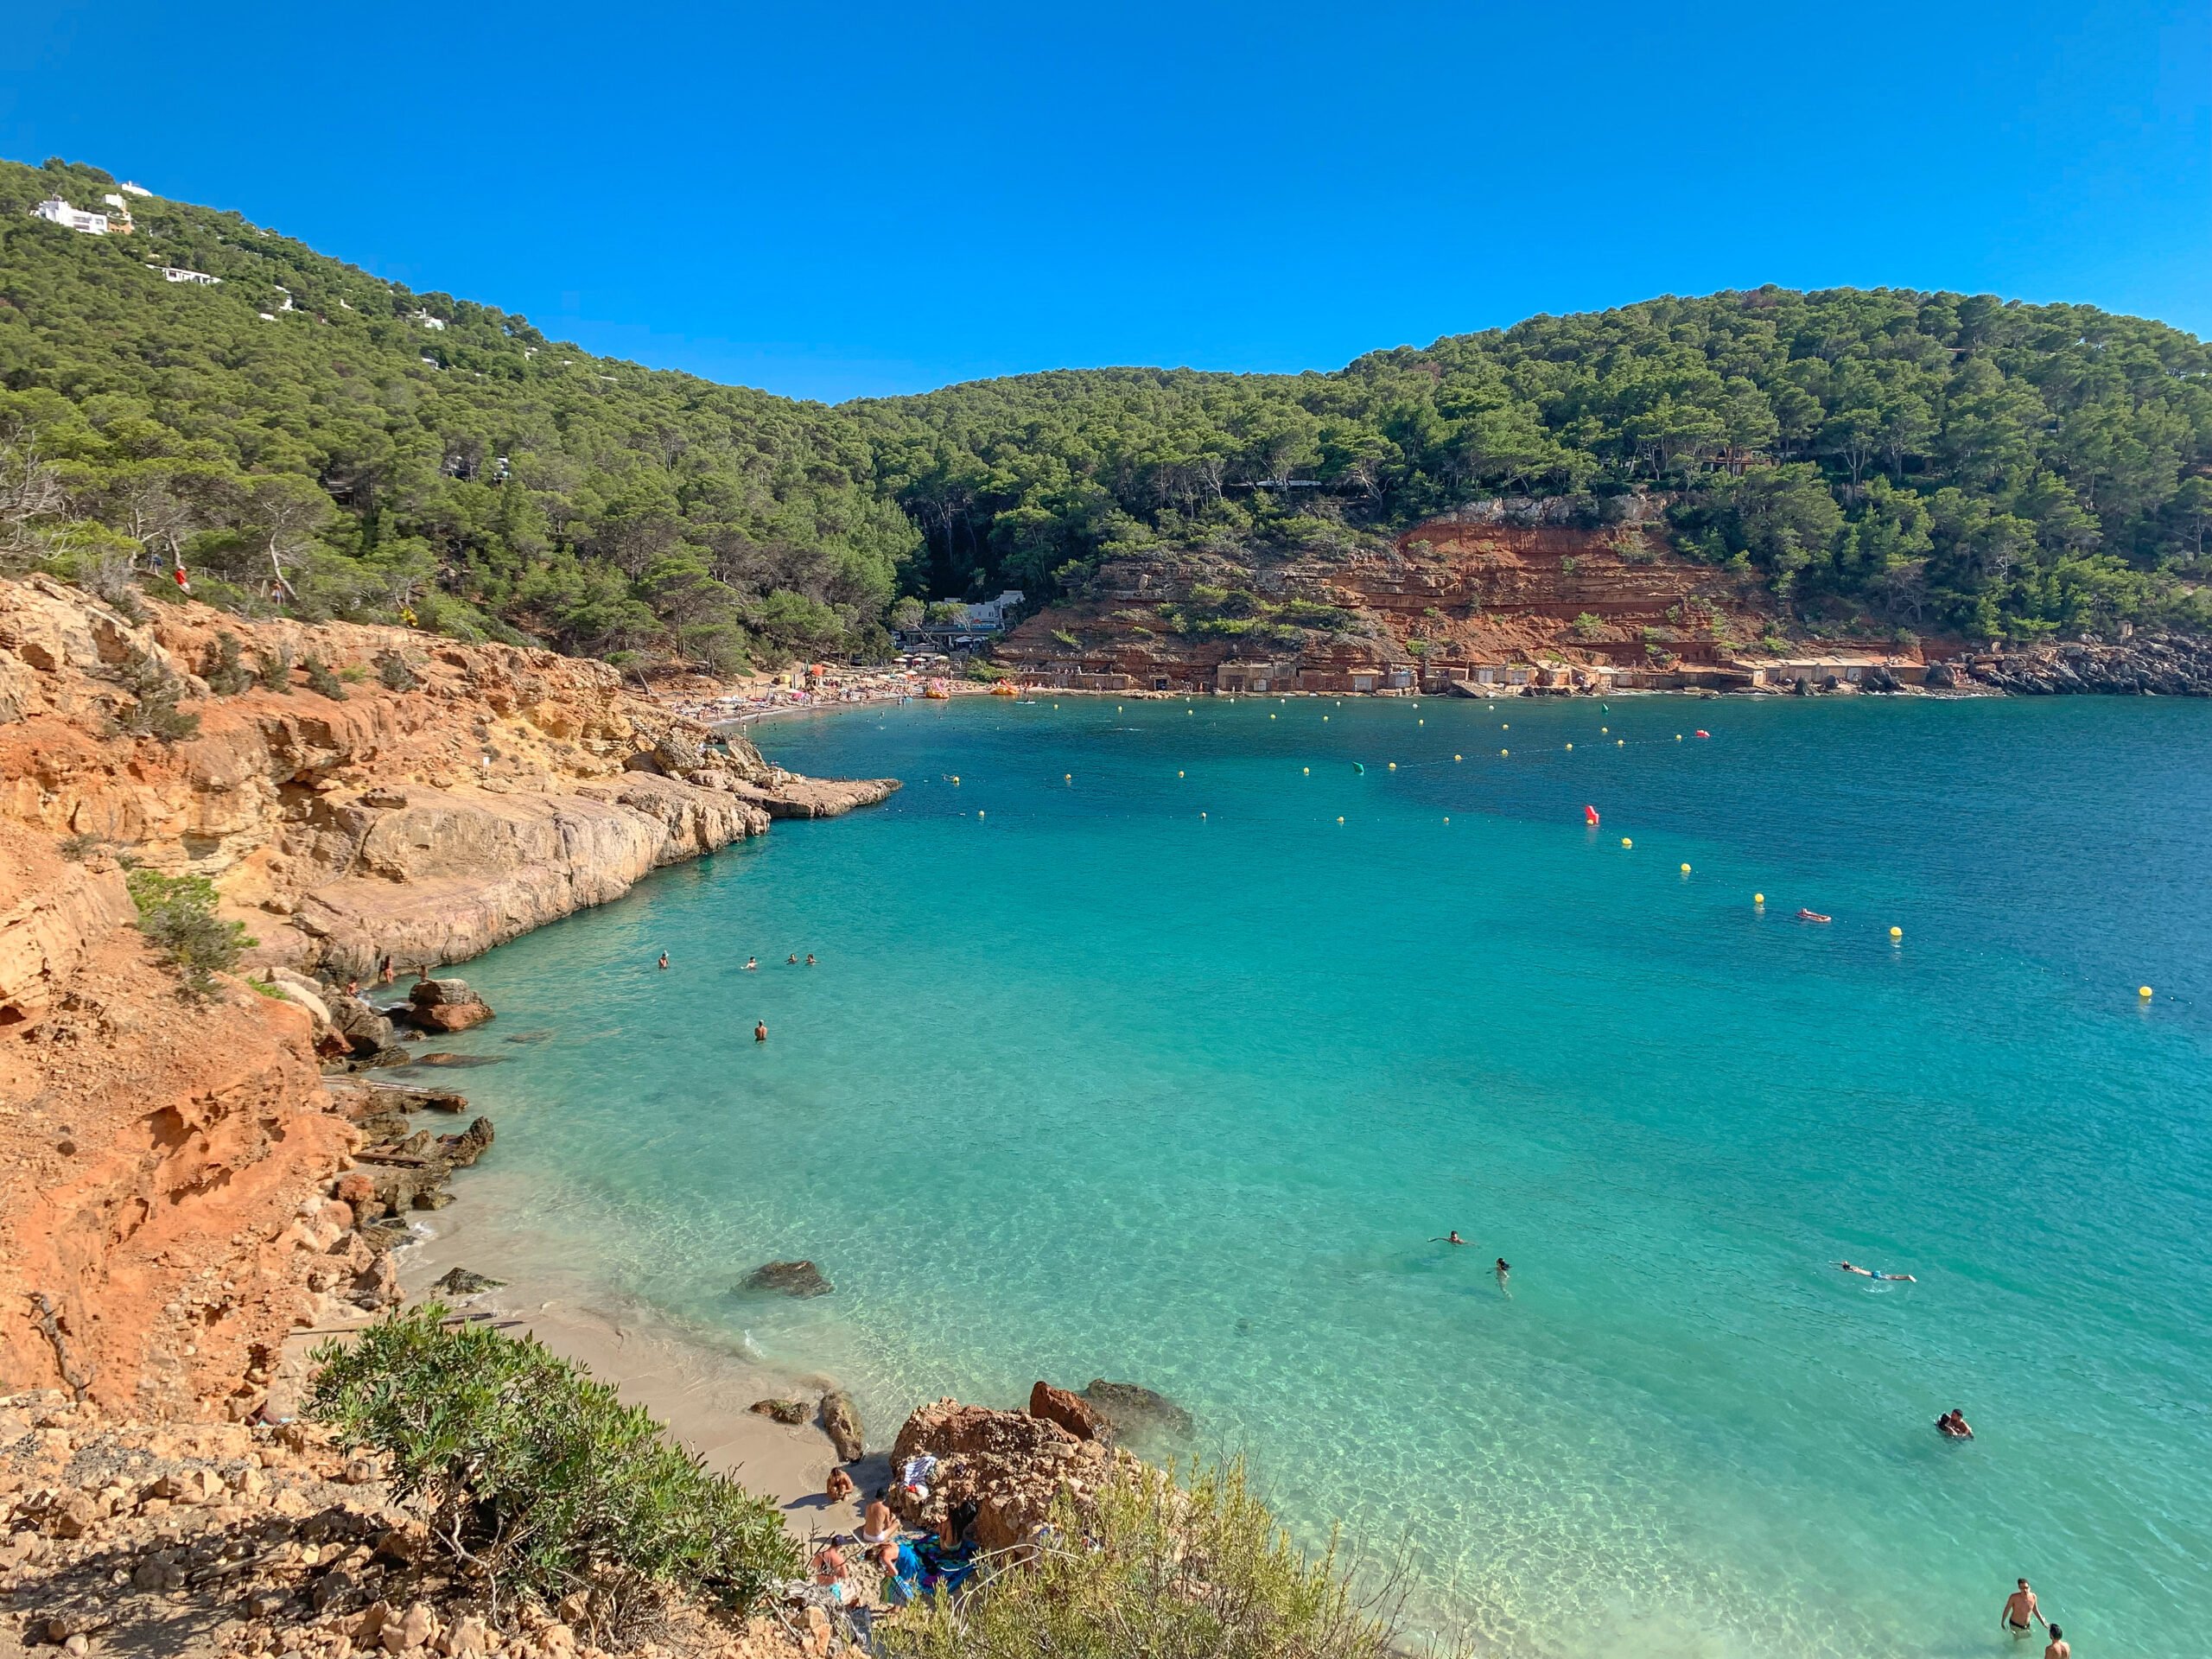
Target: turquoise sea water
{"type": "Point", "coordinates": [1087, 1084]}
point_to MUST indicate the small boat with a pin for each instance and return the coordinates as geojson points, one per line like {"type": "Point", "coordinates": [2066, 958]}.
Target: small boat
{"type": "Point", "coordinates": [1005, 689]}
{"type": "Point", "coordinates": [1812, 916]}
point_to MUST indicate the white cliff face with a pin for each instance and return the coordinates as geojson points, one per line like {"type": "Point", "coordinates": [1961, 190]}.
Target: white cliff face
{"type": "Point", "coordinates": [496, 789]}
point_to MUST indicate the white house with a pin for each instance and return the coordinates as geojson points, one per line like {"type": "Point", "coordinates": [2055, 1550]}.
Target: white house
{"type": "Point", "coordinates": [429, 321]}
{"type": "Point", "coordinates": [77, 219]}
{"type": "Point", "coordinates": [130, 189]}
{"type": "Point", "coordinates": [179, 274]}
{"type": "Point", "coordinates": [992, 613]}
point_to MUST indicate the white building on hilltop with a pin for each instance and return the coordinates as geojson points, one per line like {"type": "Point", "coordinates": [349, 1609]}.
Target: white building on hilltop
{"type": "Point", "coordinates": [130, 189]}
{"type": "Point", "coordinates": [76, 219]}
{"type": "Point", "coordinates": [179, 274]}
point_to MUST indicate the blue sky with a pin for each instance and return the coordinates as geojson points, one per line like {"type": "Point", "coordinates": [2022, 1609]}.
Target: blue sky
{"type": "Point", "coordinates": [834, 202]}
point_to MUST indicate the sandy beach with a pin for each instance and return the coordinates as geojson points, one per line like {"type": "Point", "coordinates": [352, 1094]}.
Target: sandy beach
{"type": "Point", "coordinates": [700, 1390]}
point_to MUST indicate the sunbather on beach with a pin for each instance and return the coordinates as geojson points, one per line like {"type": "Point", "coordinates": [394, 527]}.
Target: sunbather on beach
{"type": "Point", "coordinates": [841, 1486]}
{"type": "Point", "coordinates": [877, 1525]}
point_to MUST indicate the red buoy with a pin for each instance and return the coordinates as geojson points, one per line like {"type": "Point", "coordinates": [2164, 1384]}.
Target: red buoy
{"type": "Point", "coordinates": [1705, 734]}
{"type": "Point", "coordinates": [1590, 815]}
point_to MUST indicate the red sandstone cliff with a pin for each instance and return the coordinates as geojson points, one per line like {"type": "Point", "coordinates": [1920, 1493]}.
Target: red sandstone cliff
{"type": "Point", "coordinates": [165, 1166]}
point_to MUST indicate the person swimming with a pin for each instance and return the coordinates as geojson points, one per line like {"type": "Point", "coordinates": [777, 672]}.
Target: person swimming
{"type": "Point", "coordinates": [752, 964]}
{"type": "Point", "coordinates": [1869, 1273]}
{"type": "Point", "coordinates": [1953, 1424]}
{"type": "Point", "coordinates": [809, 958]}
{"type": "Point", "coordinates": [1504, 1271]}
{"type": "Point", "coordinates": [664, 959]}
{"type": "Point", "coordinates": [760, 1032]}
{"type": "Point", "coordinates": [791, 961]}
{"type": "Point", "coordinates": [1448, 1239]}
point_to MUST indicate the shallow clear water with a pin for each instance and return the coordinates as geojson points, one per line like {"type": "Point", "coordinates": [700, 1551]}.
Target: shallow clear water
{"type": "Point", "coordinates": [1089, 1085]}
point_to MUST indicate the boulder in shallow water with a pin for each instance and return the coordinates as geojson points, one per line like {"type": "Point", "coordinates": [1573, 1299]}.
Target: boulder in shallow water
{"type": "Point", "coordinates": [1129, 1407]}
{"type": "Point", "coordinates": [446, 1005]}
{"type": "Point", "coordinates": [791, 1411]}
{"type": "Point", "coordinates": [842, 1423]}
{"type": "Point", "coordinates": [1070, 1411]}
{"type": "Point", "coordinates": [789, 1279]}
{"type": "Point", "coordinates": [442, 1058]}
{"type": "Point", "coordinates": [460, 1281]}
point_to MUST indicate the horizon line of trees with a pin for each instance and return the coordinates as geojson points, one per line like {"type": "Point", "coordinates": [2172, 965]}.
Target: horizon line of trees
{"type": "Point", "coordinates": [307, 437]}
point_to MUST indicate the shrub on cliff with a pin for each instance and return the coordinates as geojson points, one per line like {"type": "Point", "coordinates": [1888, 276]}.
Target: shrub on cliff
{"type": "Point", "coordinates": [177, 913]}
{"type": "Point", "coordinates": [224, 666]}
{"type": "Point", "coordinates": [152, 711]}
{"type": "Point", "coordinates": [537, 1479]}
{"type": "Point", "coordinates": [1147, 1565]}
{"type": "Point", "coordinates": [319, 678]}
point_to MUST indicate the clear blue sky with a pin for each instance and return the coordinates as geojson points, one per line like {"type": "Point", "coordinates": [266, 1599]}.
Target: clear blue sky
{"type": "Point", "coordinates": [836, 200]}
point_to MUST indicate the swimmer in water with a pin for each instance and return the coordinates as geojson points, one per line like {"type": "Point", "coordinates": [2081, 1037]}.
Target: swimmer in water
{"type": "Point", "coordinates": [1448, 1239]}
{"type": "Point", "coordinates": [809, 958]}
{"type": "Point", "coordinates": [752, 964]}
{"type": "Point", "coordinates": [2019, 1608]}
{"type": "Point", "coordinates": [1869, 1273]}
{"type": "Point", "coordinates": [1504, 1271]}
{"type": "Point", "coordinates": [760, 1032]}
{"type": "Point", "coordinates": [664, 959]}
{"type": "Point", "coordinates": [1953, 1424]}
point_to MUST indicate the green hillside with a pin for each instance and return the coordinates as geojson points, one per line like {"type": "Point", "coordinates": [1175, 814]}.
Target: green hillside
{"type": "Point", "coordinates": [641, 511]}
{"type": "Point", "coordinates": [1888, 460]}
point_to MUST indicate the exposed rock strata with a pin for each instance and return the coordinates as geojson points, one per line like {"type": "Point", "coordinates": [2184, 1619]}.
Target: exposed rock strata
{"type": "Point", "coordinates": [505, 788]}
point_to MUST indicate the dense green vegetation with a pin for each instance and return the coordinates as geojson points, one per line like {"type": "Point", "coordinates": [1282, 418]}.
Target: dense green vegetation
{"type": "Point", "coordinates": [1883, 459]}
{"type": "Point", "coordinates": [342, 457]}
{"type": "Point", "coordinates": [538, 1481]}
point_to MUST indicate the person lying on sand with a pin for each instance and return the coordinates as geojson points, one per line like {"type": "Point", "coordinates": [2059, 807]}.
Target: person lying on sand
{"type": "Point", "coordinates": [1869, 1273]}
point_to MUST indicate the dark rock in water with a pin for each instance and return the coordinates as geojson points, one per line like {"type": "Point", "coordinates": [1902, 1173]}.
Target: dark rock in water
{"type": "Point", "coordinates": [432, 1198]}
{"type": "Point", "coordinates": [462, 1150]}
{"type": "Point", "coordinates": [393, 1056]}
{"type": "Point", "coordinates": [791, 1278]}
{"type": "Point", "coordinates": [1070, 1411]}
{"type": "Point", "coordinates": [792, 1412]}
{"type": "Point", "coordinates": [842, 1425]}
{"type": "Point", "coordinates": [460, 1281]}
{"type": "Point", "coordinates": [529, 1036]}
{"type": "Point", "coordinates": [442, 1058]}
{"type": "Point", "coordinates": [1130, 1408]}
{"type": "Point", "coordinates": [1941, 676]}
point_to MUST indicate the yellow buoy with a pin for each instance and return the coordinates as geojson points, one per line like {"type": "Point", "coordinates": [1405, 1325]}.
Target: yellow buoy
{"type": "Point", "coordinates": [979, 812]}
{"type": "Point", "coordinates": [2143, 991]}
{"type": "Point", "coordinates": [1179, 774]}
{"type": "Point", "coordinates": [1505, 726]}
{"type": "Point", "coordinates": [1067, 776]}
{"type": "Point", "coordinates": [1459, 757]}
{"type": "Point", "coordinates": [1271, 716]}
{"type": "Point", "coordinates": [1678, 737]}
{"type": "Point", "coordinates": [1394, 765]}
{"type": "Point", "coordinates": [1202, 814]}
{"type": "Point", "coordinates": [1686, 869]}
{"type": "Point", "coordinates": [1505, 750]}
{"type": "Point", "coordinates": [1570, 745]}
{"type": "Point", "coordinates": [1340, 820]}
{"type": "Point", "coordinates": [1625, 842]}
{"type": "Point", "coordinates": [1448, 820]}
{"type": "Point", "coordinates": [1324, 717]}
{"type": "Point", "coordinates": [1759, 898]}
{"type": "Point", "coordinates": [1896, 932]}
{"type": "Point", "coordinates": [1604, 730]}
{"type": "Point", "coordinates": [1421, 722]}
{"type": "Point", "coordinates": [1308, 770]}
{"type": "Point", "coordinates": [956, 778]}
{"type": "Point", "coordinates": [1620, 742]}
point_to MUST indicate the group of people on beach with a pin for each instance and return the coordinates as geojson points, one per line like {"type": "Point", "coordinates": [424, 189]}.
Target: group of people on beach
{"type": "Point", "coordinates": [908, 1564]}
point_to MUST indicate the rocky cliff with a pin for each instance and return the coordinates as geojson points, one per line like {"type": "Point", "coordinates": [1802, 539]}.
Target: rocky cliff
{"type": "Point", "coordinates": [1523, 581]}
{"type": "Point", "coordinates": [2146, 664]}
{"type": "Point", "coordinates": [429, 801]}
{"type": "Point", "coordinates": [169, 1200]}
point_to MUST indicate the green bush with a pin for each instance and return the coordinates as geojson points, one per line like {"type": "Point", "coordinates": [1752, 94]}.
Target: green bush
{"type": "Point", "coordinates": [539, 1480]}
{"type": "Point", "coordinates": [274, 671]}
{"type": "Point", "coordinates": [177, 913]}
{"type": "Point", "coordinates": [1150, 1567]}
{"type": "Point", "coordinates": [1587, 627]}
{"type": "Point", "coordinates": [393, 671]}
{"type": "Point", "coordinates": [224, 666]}
{"type": "Point", "coordinates": [319, 678]}
{"type": "Point", "coordinates": [153, 711]}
